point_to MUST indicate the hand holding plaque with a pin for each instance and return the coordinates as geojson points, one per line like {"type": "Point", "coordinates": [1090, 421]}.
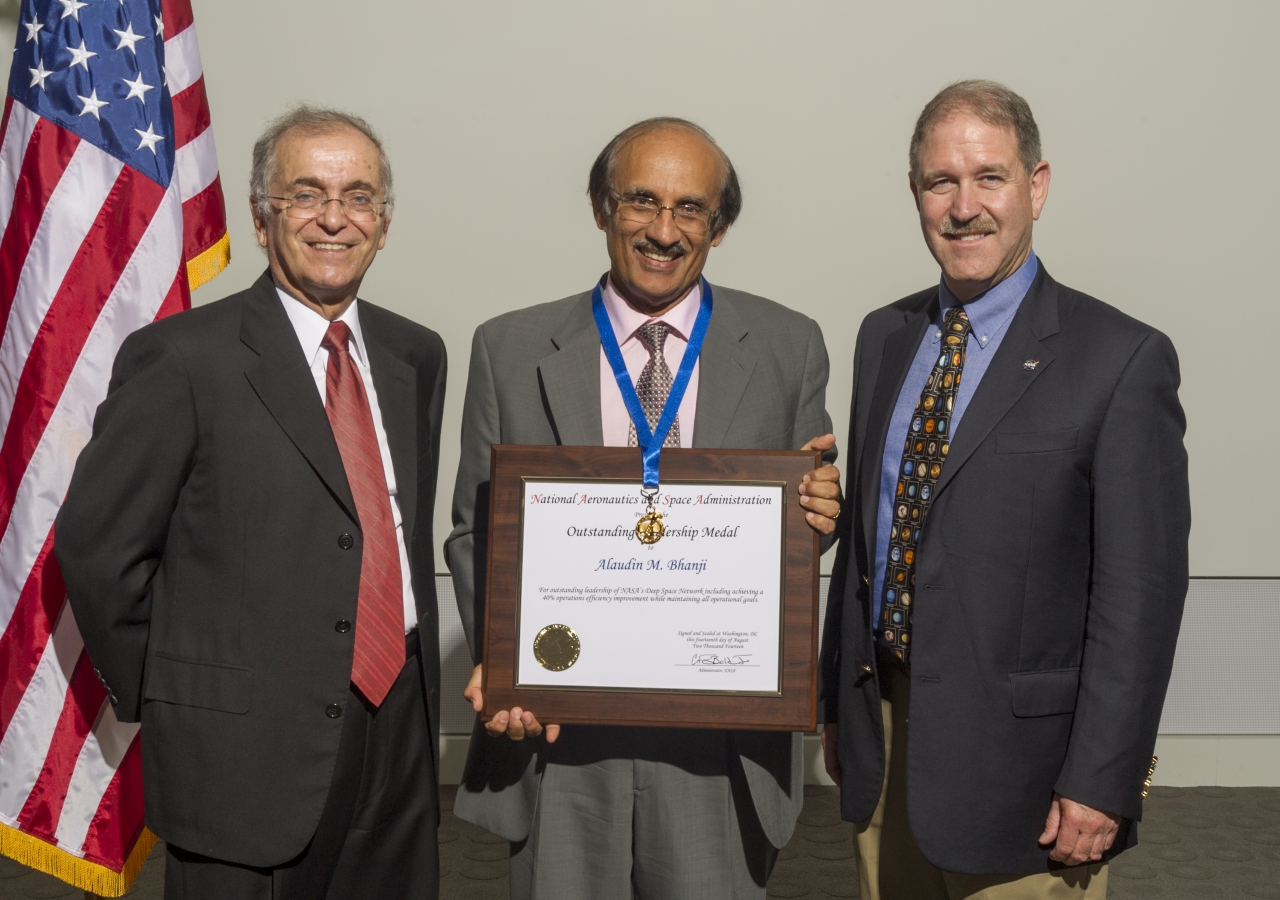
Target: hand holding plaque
{"type": "Point", "coordinates": [820, 489]}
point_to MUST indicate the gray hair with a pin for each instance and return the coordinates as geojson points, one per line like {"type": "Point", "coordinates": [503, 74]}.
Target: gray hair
{"type": "Point", "coordinates": [991, 102]}
{"type": "Point", "coordinates": [311, 121]}
{"type": "Point", "coordinates": [600, 182]}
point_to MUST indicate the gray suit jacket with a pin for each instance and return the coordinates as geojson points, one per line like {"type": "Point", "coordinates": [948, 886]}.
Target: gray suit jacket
{"type": "Point", "coordinates": [535, 379]}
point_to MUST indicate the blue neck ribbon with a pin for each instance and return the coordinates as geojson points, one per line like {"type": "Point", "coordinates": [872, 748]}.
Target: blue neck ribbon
{"type": "Point", "coordinates": [650, 441]}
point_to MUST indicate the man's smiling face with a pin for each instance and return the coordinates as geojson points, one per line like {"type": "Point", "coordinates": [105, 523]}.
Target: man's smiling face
{"type": "Point", "coordinates": [322, 260]}
{"type": "Point", "coordinates": [653, 266]}
{"type": "Point", "coordinates": [977, 202]}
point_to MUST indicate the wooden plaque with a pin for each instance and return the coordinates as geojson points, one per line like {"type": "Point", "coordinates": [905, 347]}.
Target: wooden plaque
{"type": "Point", "coordinates": [791, 706]}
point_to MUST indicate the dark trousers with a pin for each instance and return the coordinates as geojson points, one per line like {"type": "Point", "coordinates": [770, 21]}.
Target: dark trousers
{"type": "Point", "coordinates": [377, 832]}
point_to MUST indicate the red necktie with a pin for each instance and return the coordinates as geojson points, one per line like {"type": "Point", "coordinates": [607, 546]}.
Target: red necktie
{"type": "Point", "coordinates": [379, 650]}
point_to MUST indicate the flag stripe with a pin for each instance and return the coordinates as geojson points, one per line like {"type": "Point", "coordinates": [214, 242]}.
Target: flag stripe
{"type": "Point", "coordinates": [177, 299]}
{"type": "Point", "coordinates": [104, 749]}
{"type": "Point", "coordinates": [204, 217]}
{"type": "Point", "coordinates": [68, 215]}
{"type": "Point", "coordinates": [182, 66]}
{"type": "Point", "coordinates": [118, 821]}
{"type": "Point", "coordinates": [195, 166]}
{"type": "Point", "coordinates": [4, 117]}
{"type": "Point", "coordinates": [177, 16]}
{"type": "Point", "coordinates": [134, 301]}
{"type": "Point", "coordinates": [14, 141]}
{"type": "Point", "coordinates": [121, 222]}
{"type": "Point", "coordinates": [41, 173]}
{"type": "Point", "coordinates": [37, 717]}
{"type": "Point", "coordinates": [80, 707]}
{"type": "Point", "coordinates": [190, 114]}
{"type": "Point", "coordinates": [29, 628]}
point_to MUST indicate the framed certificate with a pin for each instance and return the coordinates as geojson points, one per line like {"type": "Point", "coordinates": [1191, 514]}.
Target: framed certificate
{"type": "Point", "coordinates": [702, 614]}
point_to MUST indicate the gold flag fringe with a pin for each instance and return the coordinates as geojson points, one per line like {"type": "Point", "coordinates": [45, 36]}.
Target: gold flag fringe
{"type": "Point", "coordinates": [81, 873]}
{"type": "Point", "coordinates": [205, 267]}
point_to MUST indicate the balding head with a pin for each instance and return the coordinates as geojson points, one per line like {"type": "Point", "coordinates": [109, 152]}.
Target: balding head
{"type": "Point", "coordinates": [600, 181]}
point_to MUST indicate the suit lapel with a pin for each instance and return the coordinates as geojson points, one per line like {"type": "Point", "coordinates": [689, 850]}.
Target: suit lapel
{"type": "Point", "coordinates": [900, 348]}
{"type": "Point", "coordinates": [570, 377]}
{"type": "Point", "coordinates": [393, 379]}
{"type": "Point", "coordinates": [724, 369]}
{"type": "Point", "coordinates": [1007, 378]}
{"type": "Point", "coordinates": [283, 382]}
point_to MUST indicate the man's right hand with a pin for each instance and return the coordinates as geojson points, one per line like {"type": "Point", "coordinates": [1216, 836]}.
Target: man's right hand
{"type": "Point", "coordinates": [830, 751]}
{"type": "Point", "coordinates": [516, 723]}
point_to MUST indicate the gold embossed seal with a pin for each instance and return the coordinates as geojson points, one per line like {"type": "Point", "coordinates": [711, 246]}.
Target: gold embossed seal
{"type": "Point", "coordinates": [556, 648]}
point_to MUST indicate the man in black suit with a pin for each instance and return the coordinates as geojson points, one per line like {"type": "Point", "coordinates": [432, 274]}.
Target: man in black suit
{"type": "Point", "coordinates": [1011, 580]}
{"type": "Point", "coordinates": [247, 548]}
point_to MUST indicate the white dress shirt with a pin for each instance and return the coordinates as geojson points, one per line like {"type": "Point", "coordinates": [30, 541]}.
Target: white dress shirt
{"type": "Point", "coordinates": [614, 418]}
{"type": "Point", "coordinates": [310, 327]}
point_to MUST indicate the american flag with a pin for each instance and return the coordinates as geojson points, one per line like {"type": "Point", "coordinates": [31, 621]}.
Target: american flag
{"type": "Point", "coordinates": [111, 212]}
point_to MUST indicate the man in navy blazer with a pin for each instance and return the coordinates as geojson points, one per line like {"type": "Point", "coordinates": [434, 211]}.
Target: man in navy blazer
{"type": "Point", "coordinates": [1010, 580]}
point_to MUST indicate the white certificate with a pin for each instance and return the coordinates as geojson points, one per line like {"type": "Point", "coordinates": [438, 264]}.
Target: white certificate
{"type": "Point", "coordinates": [699, 610]}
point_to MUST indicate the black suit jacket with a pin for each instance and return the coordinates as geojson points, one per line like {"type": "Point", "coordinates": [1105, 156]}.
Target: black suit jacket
{"type": "Point", "coordinates": [200, 545]}
{"type": "Point", "coordinates": [1050, 580]}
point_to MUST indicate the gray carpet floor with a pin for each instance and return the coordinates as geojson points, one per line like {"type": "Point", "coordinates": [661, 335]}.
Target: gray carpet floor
{"type": "Point", "coordinates": [1195, 843]}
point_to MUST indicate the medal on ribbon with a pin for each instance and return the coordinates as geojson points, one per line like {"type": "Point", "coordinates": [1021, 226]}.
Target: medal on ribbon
{"type": "Point", "coordinates": [650, 527]}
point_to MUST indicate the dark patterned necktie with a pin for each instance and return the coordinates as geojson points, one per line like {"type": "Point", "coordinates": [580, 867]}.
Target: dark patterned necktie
{"type": "Point", "coordinates": [923, 455]}
{"type": "Point", "coordinates": [654, 383]}
{"type": "Point", "coordinates": [379, 638]}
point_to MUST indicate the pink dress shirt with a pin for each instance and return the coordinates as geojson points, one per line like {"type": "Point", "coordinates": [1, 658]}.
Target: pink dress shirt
{"type": "Point", "coordinates": [614, 418]}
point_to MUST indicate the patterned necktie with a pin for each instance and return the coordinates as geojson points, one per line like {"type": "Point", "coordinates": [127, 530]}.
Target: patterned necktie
{"type": "Point", "coordinates": [655, 383]}
{"type": "Point", "coordinates": [379, 633]}
{"type": "Point", "coordinates": [925, 452]}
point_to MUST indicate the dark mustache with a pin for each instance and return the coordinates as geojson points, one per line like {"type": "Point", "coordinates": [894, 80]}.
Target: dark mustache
{"type": "Point", "coordinates": [983, 224]}
{"type": "Point", "coordinates": [676, 249]}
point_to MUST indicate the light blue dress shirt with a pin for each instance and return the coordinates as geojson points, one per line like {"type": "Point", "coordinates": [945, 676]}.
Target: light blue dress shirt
{"type": "Point", "coordinates": [989, 315]}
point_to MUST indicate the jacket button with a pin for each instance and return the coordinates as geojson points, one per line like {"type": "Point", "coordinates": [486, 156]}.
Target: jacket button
{"type": "Point", "coordinates": [346, 541]}
{"type": "Point", "coordinates": [865, 668]}
{"type": "Point", "coordinates": [342, 627]}
{"type": "Point", "coordinates": [333, 710]}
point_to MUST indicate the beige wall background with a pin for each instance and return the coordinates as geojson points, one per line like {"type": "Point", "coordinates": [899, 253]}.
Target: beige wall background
{"type": "Point", "coordinates": [1160, 121]}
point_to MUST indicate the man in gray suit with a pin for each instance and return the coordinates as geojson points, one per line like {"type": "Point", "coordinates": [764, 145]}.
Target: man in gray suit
{"type": "Point", "coordinates": [601, 812]}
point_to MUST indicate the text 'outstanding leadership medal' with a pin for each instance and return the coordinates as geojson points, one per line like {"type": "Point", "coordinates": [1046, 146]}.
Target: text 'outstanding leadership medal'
{"type": "Point", "coordinates": [650, 527]}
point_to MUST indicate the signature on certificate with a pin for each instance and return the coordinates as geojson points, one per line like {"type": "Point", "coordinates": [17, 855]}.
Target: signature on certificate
{"type": "Point", "coordinates": [714, 659]}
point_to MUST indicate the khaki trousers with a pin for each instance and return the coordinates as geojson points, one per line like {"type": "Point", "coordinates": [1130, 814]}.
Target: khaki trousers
{"type": "Point", "coordinates": [891, 866]}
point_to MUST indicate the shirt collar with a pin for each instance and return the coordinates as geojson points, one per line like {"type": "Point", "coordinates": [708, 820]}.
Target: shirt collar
{"type": "Point", "coordinates": [989, 312]}
{"type": "Point", "coordinates": [627, 321]}
{"type": "Point", "coordinates": [310, 327]}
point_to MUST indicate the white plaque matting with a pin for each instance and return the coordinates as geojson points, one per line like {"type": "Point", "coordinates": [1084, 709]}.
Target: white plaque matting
{"type": "Point", "coordinates": [700, 610]}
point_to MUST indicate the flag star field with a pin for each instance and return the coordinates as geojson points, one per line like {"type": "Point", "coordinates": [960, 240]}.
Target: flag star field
{"type": "Point", "coordinates": [96, 67]}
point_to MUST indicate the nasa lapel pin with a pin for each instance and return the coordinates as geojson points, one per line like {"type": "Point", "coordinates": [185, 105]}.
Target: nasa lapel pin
{"type": "Point", "coordinates": [1030, 365]}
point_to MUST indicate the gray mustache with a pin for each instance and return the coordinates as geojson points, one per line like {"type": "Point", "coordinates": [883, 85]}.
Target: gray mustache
{"type": "Point", "coordinates": [984, 224]}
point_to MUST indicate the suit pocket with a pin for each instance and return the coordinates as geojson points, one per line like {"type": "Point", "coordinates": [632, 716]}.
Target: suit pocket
{"type": "Point", "coordinates": [1048, 693]}
{"type": "Point", "coordinates": [188, 682]}
{"type": "Point", "coordinates": [1038, 441]}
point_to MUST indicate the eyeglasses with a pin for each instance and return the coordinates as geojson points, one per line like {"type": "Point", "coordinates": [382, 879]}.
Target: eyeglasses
{"type": "Point", "coordinates": [358, 206]}
{"type": "Point", "coordinates": [693, 219]}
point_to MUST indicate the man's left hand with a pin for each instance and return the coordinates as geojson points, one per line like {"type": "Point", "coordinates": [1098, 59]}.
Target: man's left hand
{"type": "Point", "coordinates": [820, 490]}
{"type": "Point", "coordinates": [1080, 834]}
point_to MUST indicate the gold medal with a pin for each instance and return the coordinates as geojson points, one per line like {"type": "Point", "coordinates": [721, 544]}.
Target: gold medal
{"type": "Point", "coordinates": [556, 648]}
{"type": "Point", "coordinates": [649, 530]}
